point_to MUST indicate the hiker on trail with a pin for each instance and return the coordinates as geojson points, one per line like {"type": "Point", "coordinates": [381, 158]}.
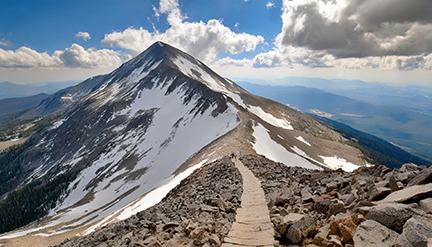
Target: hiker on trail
{"type": "Point", "coordinates": [236, 155]}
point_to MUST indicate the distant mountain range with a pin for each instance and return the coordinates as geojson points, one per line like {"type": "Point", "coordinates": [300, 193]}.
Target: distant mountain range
{"type": "Point", "coordinates": [10, 105]}
{"type": "Point", "coordinates": [401, 117]}
{"type": "Point", "coordinates": [13, 90]}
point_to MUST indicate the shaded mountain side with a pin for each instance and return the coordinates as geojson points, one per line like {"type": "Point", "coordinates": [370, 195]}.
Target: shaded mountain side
{"type": "Point", "coordinates": [56, 103]}
{"type": "Point", "coordinates": [65, 98]}
{"type": "Point", "coordinates": [376, 149]}
{"type": "Point", "coordinates": [14, 90]}
{"type": "Point", "coordinates": [15, 104]}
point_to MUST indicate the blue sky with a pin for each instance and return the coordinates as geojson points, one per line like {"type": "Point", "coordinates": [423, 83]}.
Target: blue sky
{"type": "Point", "coordinates": [71, 40]}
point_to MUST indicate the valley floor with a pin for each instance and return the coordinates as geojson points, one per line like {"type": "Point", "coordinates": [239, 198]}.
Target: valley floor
{"type": "Point", "coordinates": [8, 144]}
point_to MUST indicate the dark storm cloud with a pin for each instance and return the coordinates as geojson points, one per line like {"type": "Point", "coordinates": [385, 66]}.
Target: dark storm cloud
{"type": "Point", "coordinates": [359, 28]}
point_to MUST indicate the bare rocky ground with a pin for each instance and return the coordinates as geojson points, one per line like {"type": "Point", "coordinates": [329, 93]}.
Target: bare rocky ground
{"type": "Point", "coordinates": [372, 206]}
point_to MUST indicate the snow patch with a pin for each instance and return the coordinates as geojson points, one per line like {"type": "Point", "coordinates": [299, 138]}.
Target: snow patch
{"type": "Point", "coordinates": [300, 138]}
{"type": "Point", "coordinates": [266, 146]}
{"type": "Point", "coordinates": [300, 152]}
{"type": "Point", "coordinates": [57, 124]}
{"type": "Point", "coordinates": [269, 118]}
{"type": "Point", "coordinates": [336, 163]}
{"type": "Point", "coordinates": [236, 98]}
{"type": "Point", "coordinates": [192, 70]}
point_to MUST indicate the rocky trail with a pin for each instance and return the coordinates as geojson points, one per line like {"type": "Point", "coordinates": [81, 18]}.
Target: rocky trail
{"type": "Point", "coordinates": [252, 226]}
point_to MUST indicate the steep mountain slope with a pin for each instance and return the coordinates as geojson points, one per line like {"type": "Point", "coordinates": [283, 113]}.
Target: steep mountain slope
{"type": "Point", "coordinates": [406, 123]}
{"type": "Point", "coordinates": [125, 138]}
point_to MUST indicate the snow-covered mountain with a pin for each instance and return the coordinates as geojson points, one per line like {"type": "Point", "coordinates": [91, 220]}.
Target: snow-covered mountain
{"type": "Point", "coordinates": [125, 138]}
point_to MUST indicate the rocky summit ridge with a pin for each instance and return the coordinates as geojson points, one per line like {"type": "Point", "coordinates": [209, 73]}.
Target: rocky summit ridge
{"type": "Point", "coordinates": [372, 206]}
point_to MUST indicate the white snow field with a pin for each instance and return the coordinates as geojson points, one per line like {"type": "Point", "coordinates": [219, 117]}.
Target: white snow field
{"type": "Point", "coordinates": [266, 146]}
{"type": "Point", "coordinates": [269, 118]}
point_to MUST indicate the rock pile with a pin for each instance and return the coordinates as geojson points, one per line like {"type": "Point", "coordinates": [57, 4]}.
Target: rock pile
{"type": "Point", "coordinates": [198, 212]}
{"type": "Point", "coordinates": [372, 206]}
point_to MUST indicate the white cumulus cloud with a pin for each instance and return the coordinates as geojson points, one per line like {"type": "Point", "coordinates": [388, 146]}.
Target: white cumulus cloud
{"type": "Point", "coordinates": [73, 57]}
{"type": "Point", "coordinates": [83, 35]}
{"type": "Point", "coordinates": [202, 40]}
{"type": "Point", "coordinates": [25, 57]}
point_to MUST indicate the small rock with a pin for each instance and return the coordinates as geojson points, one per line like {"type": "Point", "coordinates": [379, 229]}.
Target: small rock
{"type": "Point", "coordinates": [197, 242]}
{"type": "Point", "coordinates": [336, 207]}
{"type": "Point", "coordinates": [322, 234]}
{"type": "Point", "coordinates": [322, 206]}
{"type": "Point", "coordinates": [377, 193]}
{"type": "Point", "coordinates": [214, 239]}
{"type": "Point", "coordinates": [348, 198]}
{"type": "Point", "coordinates": [400, 185]}
{"type": "Point", "coordinates": [332, 241]}
{"type": "Point", "coordinates": [207, 208]}
{"type": "Point", "coordinates": [331, 186]}
{"type": "Point", "coordinates": [170, 225]}
{"type": "Point", "coordinates": [283, 199]}
{"type": "Point", "coordinates": [347, 233]}
{"type": "Point", "coordinates": [393, 184]}
{"type": "Point", "coordinates": [198, 233]}
{"type": "Point", "coordinates": [306, 196]}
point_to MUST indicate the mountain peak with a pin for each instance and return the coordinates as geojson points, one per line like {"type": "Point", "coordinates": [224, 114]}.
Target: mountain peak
{"type": "Point", "coordinates": [162, 54]}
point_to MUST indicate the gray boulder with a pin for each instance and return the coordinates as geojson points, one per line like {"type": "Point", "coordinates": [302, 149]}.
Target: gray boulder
{"type": "Point", "coordinates": [372, 233]}
{"type": "Point", "coordinates": [417, 231]}
{"type": "Point", "coordinates": [423, 178]}
{"type": "Point", "coordinates": [409, 194]}
{"type": "Point", "coordinates": [409, 167]}
{"type": "Point", "coordinates": [392, 215]}
{"type": "Point", "coordinates": [426, 205]}
{"type": "Point", "coordinates": [299, 226]}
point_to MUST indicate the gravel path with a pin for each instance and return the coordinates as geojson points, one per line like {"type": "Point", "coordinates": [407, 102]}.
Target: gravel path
{"type": "Point", "coordinates": [252, 226]}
